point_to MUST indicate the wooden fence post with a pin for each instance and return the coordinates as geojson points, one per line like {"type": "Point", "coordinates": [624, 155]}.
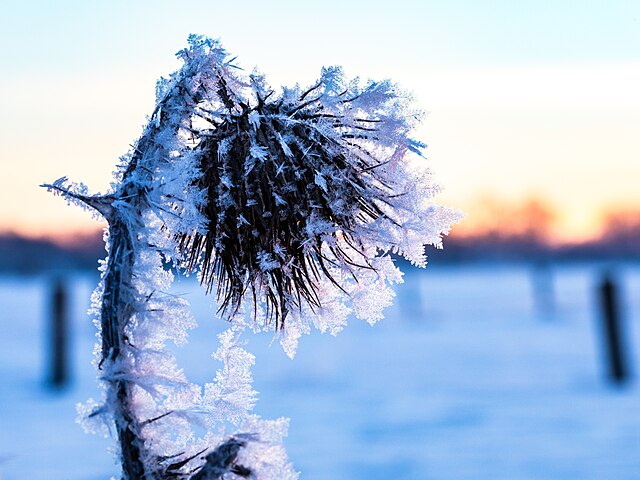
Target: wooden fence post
{"type": "Point", "coordinates": [617, 368]}
{"type": "Point", "coordinates": [59, 332]}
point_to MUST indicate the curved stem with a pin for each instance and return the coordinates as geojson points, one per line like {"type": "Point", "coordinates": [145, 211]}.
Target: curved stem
{"type": "Point", "coordinates": [116, 311]}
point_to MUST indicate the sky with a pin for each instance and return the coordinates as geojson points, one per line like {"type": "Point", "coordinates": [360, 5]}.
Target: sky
{"type": "Point", "coordinates": [522, 99]}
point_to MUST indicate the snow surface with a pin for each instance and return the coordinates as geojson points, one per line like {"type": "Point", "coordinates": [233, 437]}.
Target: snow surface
{"type": "Point", "coordinates": [467, 377]}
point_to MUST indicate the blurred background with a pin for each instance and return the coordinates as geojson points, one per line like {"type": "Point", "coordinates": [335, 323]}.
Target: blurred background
{"type": "Point", "coordinates": [512, 356]}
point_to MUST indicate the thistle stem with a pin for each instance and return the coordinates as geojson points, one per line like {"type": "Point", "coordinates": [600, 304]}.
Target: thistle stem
{"type": "Point", "coordinates": [115, 313]}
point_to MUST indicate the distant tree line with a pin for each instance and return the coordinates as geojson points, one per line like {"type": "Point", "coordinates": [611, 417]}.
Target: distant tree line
{"type": "Point", "coordinates": [520, 233]}
{"type": "Point", "coordinates": [523, 232]}
{"type": "Point", "coordinates": [35, 255]}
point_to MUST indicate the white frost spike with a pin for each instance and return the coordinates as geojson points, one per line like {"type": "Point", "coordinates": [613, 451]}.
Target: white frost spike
{"type": "Point", "coordinates": [320, 181]}
{"type": "Point", "coordinates": [259, 153]}
{"type": "Point", "coordinates": [285, 148]}
{"type": "Point", "coordinates": [254, 119]}
{"type": "Point", "coordinates": [279, 200]}
{"type": "Point", "coordinates": [231, 397]}
{"type": "Point", "coordinates": [267, 455]}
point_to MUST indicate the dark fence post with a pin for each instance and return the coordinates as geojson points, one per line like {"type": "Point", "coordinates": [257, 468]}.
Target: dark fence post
{"type": "Point", "coordinates": [58, 366]}
{"type": "Point", "coordinates": [614, 345]}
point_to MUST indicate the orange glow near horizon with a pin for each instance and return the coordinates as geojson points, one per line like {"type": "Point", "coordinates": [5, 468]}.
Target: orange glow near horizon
{"type": "Point", "coordinates": [558, 226]}
{"type": "Point", "coordinates": [555, 225]}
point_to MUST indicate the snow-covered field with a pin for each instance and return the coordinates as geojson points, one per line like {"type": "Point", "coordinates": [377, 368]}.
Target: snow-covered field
{"type": "Point", "coordinates": [468, 377]}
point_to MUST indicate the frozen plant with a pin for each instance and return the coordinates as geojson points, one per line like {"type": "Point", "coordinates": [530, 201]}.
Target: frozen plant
{"type": "Point", "coordinates": [288, 206]}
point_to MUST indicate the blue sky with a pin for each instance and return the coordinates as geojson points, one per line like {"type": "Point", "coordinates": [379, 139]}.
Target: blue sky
{"type": "Point", "coordinates": [67, 36]}
{"type": "Point", "coordinates": [523, 97]}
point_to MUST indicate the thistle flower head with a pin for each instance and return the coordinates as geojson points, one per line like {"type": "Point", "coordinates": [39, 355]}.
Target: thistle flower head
{"type": "Point", "coordinates": [301, 188]}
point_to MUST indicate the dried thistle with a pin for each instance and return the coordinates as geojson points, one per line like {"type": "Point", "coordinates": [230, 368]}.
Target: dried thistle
{"type": "Point", "coordinates": [291, 202]}
{"type": "Point", "coordinates": [292, 181]}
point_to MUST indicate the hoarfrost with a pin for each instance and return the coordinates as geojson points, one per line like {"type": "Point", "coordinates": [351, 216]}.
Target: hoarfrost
{"type": "Point", "coordinates": [288, 206]}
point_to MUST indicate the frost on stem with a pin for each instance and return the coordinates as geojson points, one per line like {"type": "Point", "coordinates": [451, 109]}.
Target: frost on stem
{"type": "Point", "coordinates": [289, 206]}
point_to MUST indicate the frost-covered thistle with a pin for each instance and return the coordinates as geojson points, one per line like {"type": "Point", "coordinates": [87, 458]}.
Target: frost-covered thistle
{"type": "Point", "coordinates": [288, 206]}
{"type": "Point", "coordinates": [298, 185]}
